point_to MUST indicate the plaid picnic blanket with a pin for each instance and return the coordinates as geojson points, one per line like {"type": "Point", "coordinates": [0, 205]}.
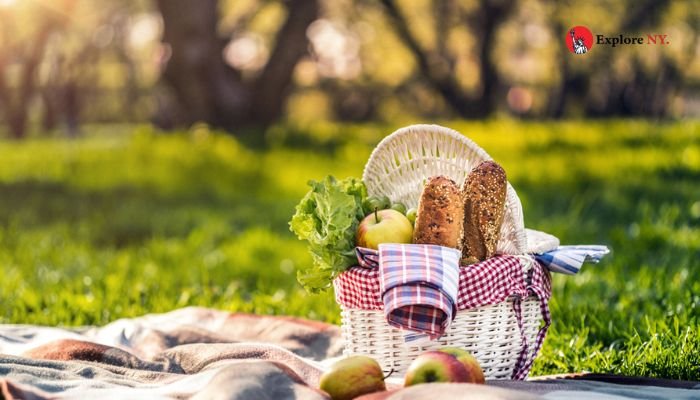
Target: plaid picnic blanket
{"type": "Point", "coordinates": [199, 353]}
{"type": "Point", "coordinates": [190, 353]}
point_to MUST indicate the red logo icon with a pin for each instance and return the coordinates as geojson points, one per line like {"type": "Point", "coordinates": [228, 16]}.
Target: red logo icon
{"type": "Point", "coordinates": [579, 40]}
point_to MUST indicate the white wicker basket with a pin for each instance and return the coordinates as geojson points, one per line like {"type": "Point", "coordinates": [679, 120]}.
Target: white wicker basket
{"type": "Point", "coordinates": [397, 168]}
{"type": "Point", "coordinates": [490, 333]}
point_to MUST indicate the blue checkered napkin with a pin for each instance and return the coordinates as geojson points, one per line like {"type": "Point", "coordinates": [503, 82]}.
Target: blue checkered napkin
{"type": "Point", "coordinates": [569, 259]}
{"type": "Point", "coordinates": [419, 286]}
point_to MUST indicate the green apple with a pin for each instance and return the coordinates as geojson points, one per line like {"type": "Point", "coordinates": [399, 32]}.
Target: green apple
{"type": "Point", "coordinates": [385, 202]}
{"type": "Point", "coordinates": [372, 203]}
{"type": "Point", "coordinates": [435, 366]}
{"type": "Point", "coordinates": [385, 226]}
{"type": "Point", "coordinates": [399, 207]}
{"type": "Point", "coordinates": [471, 364]}
{"type": "Point", "coordinates": [411, 214]}
{"type": "Point", "coordinates": [352, 377]}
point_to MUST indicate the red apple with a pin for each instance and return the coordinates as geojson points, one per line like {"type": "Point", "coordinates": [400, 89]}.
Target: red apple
{"type": "Point", "coordinates": [435, 366]}
{"type": "Point", "coordinates": [471, 364]}
{"type": "Point", "coordinates": [385, 226]}
{"type": "Point", "coordinates": [352, 377]}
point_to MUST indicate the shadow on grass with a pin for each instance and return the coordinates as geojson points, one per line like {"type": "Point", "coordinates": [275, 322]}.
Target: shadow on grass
{"type": "Point", "coordinates": [124, 215]}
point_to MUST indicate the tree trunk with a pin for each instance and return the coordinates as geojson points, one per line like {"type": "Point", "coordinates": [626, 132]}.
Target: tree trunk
{"type": "Point", "coordinates": [491, 14]}
{"type": "Point", "coordinates": [196, 70]}
{"type": "Point", "coordinates": [207, 89]}
{"type": "Point", "coordinates": [273, 85]}
{"type": "Point", "coordinates": [16, 107]}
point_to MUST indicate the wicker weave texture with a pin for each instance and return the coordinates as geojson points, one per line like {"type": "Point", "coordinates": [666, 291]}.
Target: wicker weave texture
{"type": "Point", "coordinates": [490, 333]}
{"type": "Point", "coordinates": [404, 160]}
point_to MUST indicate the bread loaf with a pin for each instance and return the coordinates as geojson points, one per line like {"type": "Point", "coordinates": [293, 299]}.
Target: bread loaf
{"type": "Point", "coordinates": [484, 195]}
{"type": "Point", "coordinates": [440, 214]}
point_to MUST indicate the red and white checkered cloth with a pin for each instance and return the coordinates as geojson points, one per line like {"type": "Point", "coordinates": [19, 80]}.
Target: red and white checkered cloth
{"type": "Point", "coordinates": [489, 282]}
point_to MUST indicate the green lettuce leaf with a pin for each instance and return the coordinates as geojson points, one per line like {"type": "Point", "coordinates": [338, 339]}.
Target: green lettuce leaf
{"type": "Point", "coordinates": [327, 217]}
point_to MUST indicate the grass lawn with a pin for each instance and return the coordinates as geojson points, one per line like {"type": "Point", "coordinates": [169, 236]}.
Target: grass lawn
{"type": "Point", "coordinates": [126, 221]}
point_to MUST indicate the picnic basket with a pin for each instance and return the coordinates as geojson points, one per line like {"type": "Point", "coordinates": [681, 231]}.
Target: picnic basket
{"type": "Point", "coordinates": [397, 168]}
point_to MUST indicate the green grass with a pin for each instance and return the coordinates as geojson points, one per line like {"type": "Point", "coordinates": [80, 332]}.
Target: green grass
{"type": "Point", "coordinates": [121, 224]}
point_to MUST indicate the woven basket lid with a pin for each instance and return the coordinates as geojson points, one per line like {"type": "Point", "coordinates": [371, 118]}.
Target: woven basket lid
{"type": "Point", "coordinates": [404, 160]}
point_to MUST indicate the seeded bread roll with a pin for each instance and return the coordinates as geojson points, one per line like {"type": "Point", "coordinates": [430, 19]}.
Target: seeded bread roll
{"type": "Point", "coordinates": [440, 214]}
{"type": "Point", "coordinates": [484, 195]}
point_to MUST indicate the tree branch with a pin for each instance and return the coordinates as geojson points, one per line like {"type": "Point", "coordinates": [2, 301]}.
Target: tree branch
{"type": "Point", "coordinates": [443, 83]}
{"type": "Point", "coordinates": [401, 26]}
{"type": "Point", "coordinates": [273, 84]}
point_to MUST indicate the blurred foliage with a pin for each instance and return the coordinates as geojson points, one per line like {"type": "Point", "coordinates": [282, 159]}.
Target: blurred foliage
{"type": "Point", "coordinates": [127, 221]}
{"type": "Point", "coordinates": [103, 62]}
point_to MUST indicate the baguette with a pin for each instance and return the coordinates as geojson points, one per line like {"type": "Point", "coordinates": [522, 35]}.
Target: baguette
{"type": "Point", "coordinates": [484, 194]}
{"type": "Point", "coordinates": [440, 214]}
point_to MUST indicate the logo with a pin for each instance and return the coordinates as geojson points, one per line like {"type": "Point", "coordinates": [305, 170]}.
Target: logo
{"type": "Point", "coordinates": [579, 40]}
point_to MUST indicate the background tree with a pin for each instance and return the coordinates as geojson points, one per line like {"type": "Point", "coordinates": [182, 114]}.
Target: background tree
{"type": "Point", "coordinates": [437, 64]}
{"type": "Point", "coordinates": [66, 62]}
{"type": "Point", "coordinates": [601, 90]}
{"type": "Point", "coordinates": [27, 54]}
{"type": "Point", "coordinates": [251, 63]}
{"type": "Point", "coordinates": [206, 88]}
